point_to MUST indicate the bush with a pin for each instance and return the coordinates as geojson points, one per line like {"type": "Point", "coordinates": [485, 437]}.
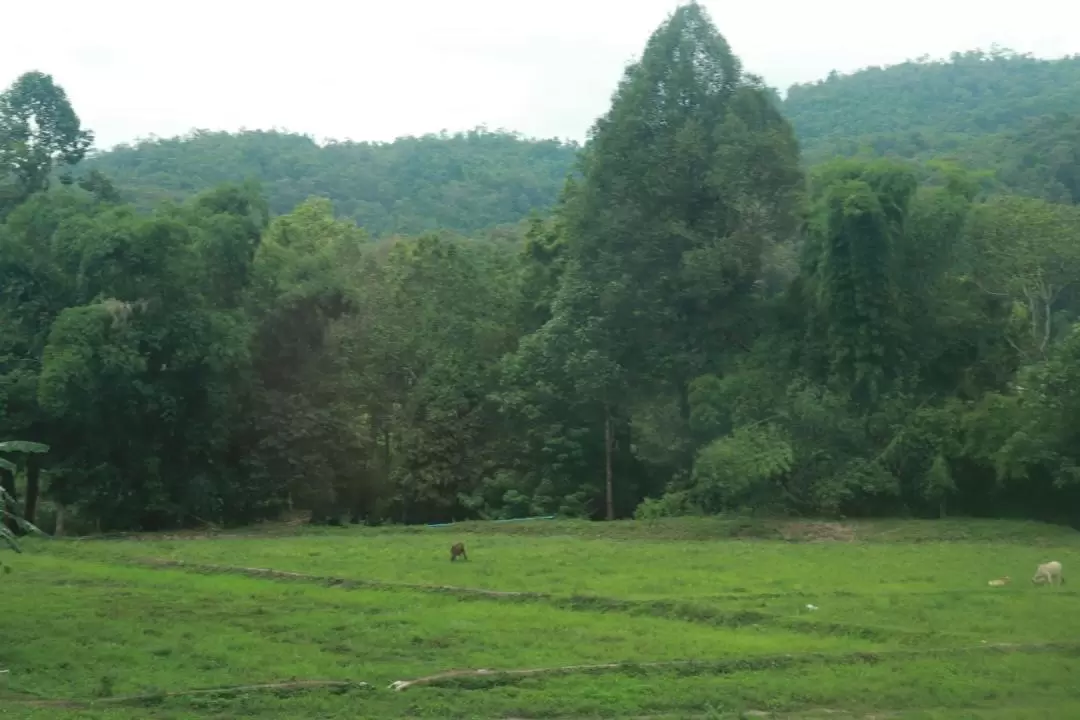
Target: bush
{"type": "Point", "coordinates": [672, 504]}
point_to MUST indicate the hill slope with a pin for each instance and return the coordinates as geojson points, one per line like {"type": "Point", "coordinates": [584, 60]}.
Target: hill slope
{"type": "Point", "coordinates": [919, 109]}
{"type": "Point", "coordinates": [463, 182]}
{"type": "Point", "coordinates": [1011, 113]}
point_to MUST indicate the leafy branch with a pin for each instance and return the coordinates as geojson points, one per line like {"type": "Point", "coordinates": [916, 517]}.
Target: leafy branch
{"type": "Point", "coordinates": [8, 516]}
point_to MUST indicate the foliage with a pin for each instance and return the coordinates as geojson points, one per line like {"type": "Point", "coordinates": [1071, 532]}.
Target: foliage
{"type": "Point", "coordinates": [10, 520]}
{"type": "Point", "coordinates": [1025, 250]}
{"type": "Point", "coordinates": [734, 471]}
{"type": "Point", "coordinates": [922, 108]}
{"type": "Point", "coordinates": [39, 133]}
{"type": "Point", "coordinates": [664, 238]}
{"type": "Point", "coordinates": [1013, 115]}
{"type": "Point", "coordinates": [463, 182]}
{"type": "Point", "coordinates": [21, 446]}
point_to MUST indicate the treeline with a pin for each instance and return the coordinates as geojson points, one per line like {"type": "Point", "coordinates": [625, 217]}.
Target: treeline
{"type": "Point", "coordinates": [462, 182]}
{"type": "Point", "coordinates": [698, 327]}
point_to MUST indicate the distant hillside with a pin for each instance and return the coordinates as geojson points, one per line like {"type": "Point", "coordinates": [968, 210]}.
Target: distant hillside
{"type": "Point", "coordinates": [1042, 158]}
{"type": "Point", "coordinates": [463, 182]}
{"type": "Point", "coordinates": [924, 109]}
{"type": "Point", "coordinates": [1010, 113]}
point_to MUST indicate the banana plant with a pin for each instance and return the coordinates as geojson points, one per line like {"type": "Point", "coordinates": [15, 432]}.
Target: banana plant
{"type": "Point", "coordinates": [7, 502]}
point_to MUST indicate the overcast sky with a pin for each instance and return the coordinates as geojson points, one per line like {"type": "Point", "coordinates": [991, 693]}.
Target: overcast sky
{"type": "Point", "coordinates": [375, 70]}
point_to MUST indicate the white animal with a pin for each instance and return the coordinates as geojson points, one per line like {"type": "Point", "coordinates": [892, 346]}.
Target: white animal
{"type": "Point", "coordinates": [1047, 572]}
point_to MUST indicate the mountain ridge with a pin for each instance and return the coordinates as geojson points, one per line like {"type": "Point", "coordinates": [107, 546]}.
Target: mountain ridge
{"type": "Point", "coordinates": [987, 110]}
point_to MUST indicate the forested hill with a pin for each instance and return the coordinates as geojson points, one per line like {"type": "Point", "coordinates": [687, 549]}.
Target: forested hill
{"type": "Point", "coordinates": [1001, 111]}
{"type": "Point", "coordinates": [921, 109]}
{"type": "Point", "coordinates": [463, 182]}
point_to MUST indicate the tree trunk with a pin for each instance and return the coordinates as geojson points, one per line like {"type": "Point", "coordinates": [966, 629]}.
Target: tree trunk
{"type": "Point", "coordinates": [58, 531]}
{"type": "Point", "coordinates": [33, 487]}
{"type": "Point", "coordinates": [608, 484]}
{"type": "Point", "coordinates": [684, 400]}
{"type": "Point", "coordinates": [1046, 325]}
{"type": "Point", "coordinates": [386, 457]}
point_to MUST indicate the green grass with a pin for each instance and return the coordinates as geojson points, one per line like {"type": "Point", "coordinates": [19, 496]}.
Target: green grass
{"type": "Point", "coordinates": [903, 622]}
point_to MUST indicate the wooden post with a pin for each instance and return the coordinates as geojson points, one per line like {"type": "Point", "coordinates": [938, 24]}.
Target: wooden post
{"type": "Point", "coordinates": [608, 448]}
{"type": "Point", "coordinates": [33, 487]}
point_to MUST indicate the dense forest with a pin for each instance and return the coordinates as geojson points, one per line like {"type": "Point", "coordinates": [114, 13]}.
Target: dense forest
{"type": "Point", "coordinates": [701, 323]}
{"type": "Point", "coordinates": [928, 106]}
{"type": "Point", "coordinates": [1011, 115]}
{"type": "Point", "coordinates": [463, 182]}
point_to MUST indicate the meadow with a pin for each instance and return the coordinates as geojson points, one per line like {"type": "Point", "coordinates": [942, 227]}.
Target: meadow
{"type": "Point", "coordinates": [701, 618]}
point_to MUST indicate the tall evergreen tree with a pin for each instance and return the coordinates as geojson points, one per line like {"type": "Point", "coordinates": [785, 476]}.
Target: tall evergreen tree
{"type": "Point", "coordinates": [687, 179]}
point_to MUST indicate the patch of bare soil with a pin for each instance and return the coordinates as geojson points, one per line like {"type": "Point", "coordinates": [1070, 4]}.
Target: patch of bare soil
{"type": "Point", "coordinates": [745, 664]}
{"type": "Point", "coordinates": [817, 531]}
{"type": "Point", "coordinates": [287, 525]}
{"type": "Point", "coordinates": [292, 685]}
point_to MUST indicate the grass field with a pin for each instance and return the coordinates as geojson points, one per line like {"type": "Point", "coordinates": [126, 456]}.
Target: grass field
{"type": "Point", "coordinates": [691, 618]}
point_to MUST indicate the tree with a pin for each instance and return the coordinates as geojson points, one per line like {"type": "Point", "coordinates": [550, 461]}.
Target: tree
{"type": "Point", "coordinates": [145, 372]}
{"type": "Point", "coordinates": [309, 442]}
{"type": "Point", "coordinates": [854, 261]}
{"type": "Point", "coordinates": [434, 318]}
{"type": "Point", "coordinates": [686, 181]}
{"type": "Point", "coordinates": [39, 132]}
{"type": "Point", "coordinates": [42, 271]}
{"type": "Point", "coordinates": [1025, 250]}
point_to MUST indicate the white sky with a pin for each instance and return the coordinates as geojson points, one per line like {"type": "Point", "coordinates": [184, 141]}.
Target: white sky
{"type": "Point", "coordinates": [375, 70]}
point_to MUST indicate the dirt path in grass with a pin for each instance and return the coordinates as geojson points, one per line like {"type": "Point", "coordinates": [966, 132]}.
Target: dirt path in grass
{"type": "Point", "coordinates": [669, 609]}
{"type": "Point", "coordinates": [733, 665]}
{"type": "Point", "coordinates": [502, 677]}
{"type": "Point", "coordinates": [334, 581]}
{"type": "Point", "coordinates": [294, 685]}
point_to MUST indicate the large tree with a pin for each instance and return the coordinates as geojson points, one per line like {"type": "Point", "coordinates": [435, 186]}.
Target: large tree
{"type": "Point", "coordinates": [854, 268]}
{"type": "Point", "coordinates": [687, 180]}
{"type": "Point", "coordinates": [39, 132]}
{"type": "Point", "coordinates": [1026, 251]}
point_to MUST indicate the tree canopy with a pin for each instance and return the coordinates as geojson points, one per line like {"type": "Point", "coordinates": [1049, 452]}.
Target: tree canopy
{"type": "Point", "coordinates": [462, 182]}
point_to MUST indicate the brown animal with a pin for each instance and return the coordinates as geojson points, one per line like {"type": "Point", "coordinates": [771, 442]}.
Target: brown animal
{"type": "Point", "coordinates": [1000, 581]}
{"type": "Point", "coordinates": [457, 549]}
